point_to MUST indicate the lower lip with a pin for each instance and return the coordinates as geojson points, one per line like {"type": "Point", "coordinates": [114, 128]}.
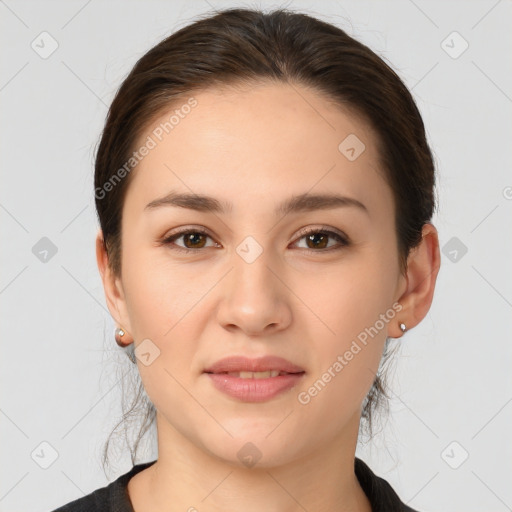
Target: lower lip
{"type": "Point", "coordinates": [254, 390]}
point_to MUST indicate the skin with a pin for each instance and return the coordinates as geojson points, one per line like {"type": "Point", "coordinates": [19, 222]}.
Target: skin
{"type": "Point", "coordinates": [256, 147]}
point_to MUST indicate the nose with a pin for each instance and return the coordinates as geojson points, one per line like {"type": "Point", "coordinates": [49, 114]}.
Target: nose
{"type": "Point", "coordinates": [255, 297]}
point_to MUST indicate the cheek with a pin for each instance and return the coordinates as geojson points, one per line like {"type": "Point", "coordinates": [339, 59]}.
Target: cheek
{"type": "Point", "coordinates": [352, 311]}
{"type": "Point", "coordinates": [161, 307]}
{"type": "Point", "coordinates": [158, 294]}
{"type": "Point", "coordinates": [348, 299]}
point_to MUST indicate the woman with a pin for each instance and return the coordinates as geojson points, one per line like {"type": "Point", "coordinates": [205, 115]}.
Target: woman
{"type": "Point", "coordinates": [264, 189]}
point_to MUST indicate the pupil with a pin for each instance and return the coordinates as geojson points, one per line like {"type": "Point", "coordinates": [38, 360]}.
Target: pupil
{"type": "Point", "coordinates": [193, 236]}
{"type": "Point", "coordinates": [313, 236]}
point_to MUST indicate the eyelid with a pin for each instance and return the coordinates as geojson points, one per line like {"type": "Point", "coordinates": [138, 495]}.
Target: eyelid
{"type": "Point", "coordinates": [322, 229]}
{"type": "Point", "coordinates": [173, 235]}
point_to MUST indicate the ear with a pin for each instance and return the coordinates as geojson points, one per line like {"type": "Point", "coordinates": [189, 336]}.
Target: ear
{"type": "Point", "coordinates": [112, 286]}
{"type": "Point", "coordinates": [422, 268]}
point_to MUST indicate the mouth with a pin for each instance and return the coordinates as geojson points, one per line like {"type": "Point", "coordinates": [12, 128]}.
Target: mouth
{"type": "Point", "coordinates": [255, 375]}
{"type": "Point", "coordinates": [254, 380]}
{"type": "Point", "coordinates": [261, 365]}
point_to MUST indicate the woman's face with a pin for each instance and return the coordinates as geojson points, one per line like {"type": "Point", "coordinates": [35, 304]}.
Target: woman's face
{"type": "Point", "coordinates": [255, 283]}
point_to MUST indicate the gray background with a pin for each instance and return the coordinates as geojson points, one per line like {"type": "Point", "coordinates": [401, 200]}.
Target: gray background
{"type": "Point", "coordinates": [60, 364]}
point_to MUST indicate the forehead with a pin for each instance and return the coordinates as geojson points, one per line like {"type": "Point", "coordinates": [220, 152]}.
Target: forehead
{"type": "Point", "coordinates": [256, 142]}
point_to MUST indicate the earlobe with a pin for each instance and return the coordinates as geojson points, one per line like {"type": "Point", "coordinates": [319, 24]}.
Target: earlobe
{"type": "Point", "coordinates": [422, 269]}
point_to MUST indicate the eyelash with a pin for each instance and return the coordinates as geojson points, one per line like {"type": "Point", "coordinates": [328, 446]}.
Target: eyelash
{"type": "Point", "coordinates": [343, 240]}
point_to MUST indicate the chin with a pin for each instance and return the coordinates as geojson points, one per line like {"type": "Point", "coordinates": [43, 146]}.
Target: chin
{"type": "Point", "coordinates": [254, 448]}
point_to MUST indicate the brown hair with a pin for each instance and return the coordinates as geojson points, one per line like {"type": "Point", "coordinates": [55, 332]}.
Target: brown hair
{"type": "Point", "coordinates": [241, 46]}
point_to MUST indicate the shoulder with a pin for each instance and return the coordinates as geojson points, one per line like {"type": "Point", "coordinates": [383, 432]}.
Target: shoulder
{"type": "Point", "coordinates": [381, 495]}
{"type": "Point", "coordinates": [111, 498]}
{"type": "Point", "coordinates": [95, 501]}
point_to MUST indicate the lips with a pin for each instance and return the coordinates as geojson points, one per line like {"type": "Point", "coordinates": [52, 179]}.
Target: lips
{"type": "Point", "coordinates": [254, 380]}
{"type": "Point", "coordinates": [242, 366]}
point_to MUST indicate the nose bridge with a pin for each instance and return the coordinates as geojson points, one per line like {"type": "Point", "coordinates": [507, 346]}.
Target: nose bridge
{"type": "Point", "coordinates": [253, 294]}
{"type": "Point", "coordinates": [252, 275]}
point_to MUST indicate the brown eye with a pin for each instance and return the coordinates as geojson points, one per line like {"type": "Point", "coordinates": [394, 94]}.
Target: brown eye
{"type": "Point", "coordinates": [193, 240]}
{"type": "Point", "coordinates": [317, 240]}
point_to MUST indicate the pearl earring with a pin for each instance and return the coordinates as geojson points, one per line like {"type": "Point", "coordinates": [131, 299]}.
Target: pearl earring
{"type": "Point", "coordinates": [125, 344]}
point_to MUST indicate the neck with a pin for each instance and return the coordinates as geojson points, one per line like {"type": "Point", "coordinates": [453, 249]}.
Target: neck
{"type": "Point", "coordinates": [188, 478]}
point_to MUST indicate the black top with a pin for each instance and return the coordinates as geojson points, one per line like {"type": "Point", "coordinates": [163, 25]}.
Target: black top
{"type": "Point", "coordinates": [114, 497]}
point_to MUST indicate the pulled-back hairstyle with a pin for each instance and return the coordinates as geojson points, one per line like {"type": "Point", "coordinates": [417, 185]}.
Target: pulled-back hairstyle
{"type": "Point", "coordinates": [244, 47]}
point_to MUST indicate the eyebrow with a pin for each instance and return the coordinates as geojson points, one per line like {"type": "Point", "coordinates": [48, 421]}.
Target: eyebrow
{"type": "Point", "coordinates": [295, 204]}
